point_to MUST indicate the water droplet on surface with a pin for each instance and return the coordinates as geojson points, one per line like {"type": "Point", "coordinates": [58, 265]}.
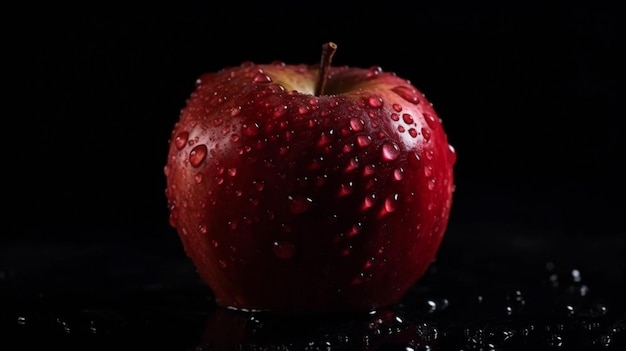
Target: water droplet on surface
{"type": "Point", "coordinates": [325, 139]}
{"type": "Point", "coordinates": [395, 117]}
{"type": "Point", "coordinates": [235, 111]}
{"type": "Point", "coordinates": [430, 120]}
{"type": "Point", "coordinates": [430, 154]}
{"type": "Point", "coordinates": [391, 203]}
{"type": "Point", "coordinates": [426, 134]}
{"type": "Point", "coordinates": [250, 130]}
{"type": "Point", "coordinates": [451, 154]}
{"type": "Point", "coordinates": [21, 320]}
{"type": "Point", "coordinates": [576, 275]}
{"type": "Point", "coordinates": [375, 102]}
{"type": "Point", "coordinates": [355, 229]}
{"type": "Point", "coordinates": [302, 110]}
{"type": "Point", "coordinates": [413, 132]}
{"type": "Point", "coordinates": [198, 178]}
{"type": "Point", "coordinates": [390, 151]}
{"type": "Point", "coordinates": [352, 165]}
{"type": "Point", "coordinates": [202, 228]}
{"type": "Point", "coordinates": [280, 111]}
{"type": "Point", "coordinates": [397, 107]}
{"type": "Point", "coordinates": [407, 118]}
{"type": "Point", "coordinates": [356, 124]}
{"type": "Point", "coordinates": [283, 249]}
{"type": "Point", "coordinates": [234, 138]}
{"type": "Point", "coordinates": [369, 201]}
{"type": "Point", "coordinates": [232, 172]}
{"type": "Point", "coordinates": [407, 93]}
{"type": "Point", "coordinates": [262, 78]}
{"type": "Point", "coordinates": [299, 203]}
{"type": "Point", "coordinates": [345, 189]}
{"type": "Point", "coordinates": [363, 140]}
{"type": "Point", "coordinates": [401, 129]}
{"type": "Point", "coordinates": [428, 171]}
{"type": "Point", "coordinates": [398, 174]}
{"type": "Point", "coordinates": [368, 170]}
{"type": "Point", "coordinates": [181, 140]}
{"type": "Point", "coordinates": [414, 160]}
{"type": "Point", "coordinates": [232, 225]}
{"type": "Point", "coordinates": [373, 71]}
{"type": "Point", "coordinates": [197, 155]}
{"type": "Point", "coordinates": [173, 218]}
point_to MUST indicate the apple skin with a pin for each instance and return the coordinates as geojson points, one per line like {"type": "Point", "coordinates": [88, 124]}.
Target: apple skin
{"type": "Point", "coordinates": [287, 201]}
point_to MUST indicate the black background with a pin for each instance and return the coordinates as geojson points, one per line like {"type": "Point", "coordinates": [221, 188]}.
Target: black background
{"type": "Point", "coordinates": [530, 97]}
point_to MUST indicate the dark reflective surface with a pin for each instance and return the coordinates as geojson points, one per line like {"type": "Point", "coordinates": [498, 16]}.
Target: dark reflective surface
{"type": "Point", "coordinates": [504, 292]}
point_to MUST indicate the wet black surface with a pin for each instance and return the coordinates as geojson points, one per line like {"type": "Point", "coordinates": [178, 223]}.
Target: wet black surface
{"type": "Point", "coordinates": [506, 290]}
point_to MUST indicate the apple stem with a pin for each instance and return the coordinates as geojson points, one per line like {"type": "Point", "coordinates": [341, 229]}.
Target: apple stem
{"type": "Point", "coordinates": [328, 50]}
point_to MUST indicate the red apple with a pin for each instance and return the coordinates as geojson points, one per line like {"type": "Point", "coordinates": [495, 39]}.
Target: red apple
{"type": "Point", "coordinates": [309, 187]}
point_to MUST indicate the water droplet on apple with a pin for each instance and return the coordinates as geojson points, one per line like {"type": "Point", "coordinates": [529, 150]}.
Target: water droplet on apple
{"type": "Point", "coordinates": [302, 110]}
{"type": "Point", "coordinates": [390, 205]}
{"type": "Point", "coordinates": [397, 107]}
{"type": "Point", "coordinates": [363, 140]}
{"type": "Point", "coordinates": [347, 148]}
{"type": "Point", "coordinates": [325, 139]}
{"type": "Point", "coordinates": [414, 160]}
{"type": "Point", "coordinates": [198, 178]}
{"type": "Point", "coordinates": [173, 219]}
{"type": "Point", "coordinates": [181, 140]}
{"type": "Point", "coordinates": [345, 189]}
{"type": "Point", "coordinates": [232, 172]}
{"type": "Point", "coordinates": [390, 151]}
{"type": "Point", "coordinates": [234, 138]}
{"type": "Point", "coordinates": [356, 124]}
{"type": "Point", "coordinates": [426, 134]}
{"type": "Point", "coordinates": [401, 129]}
{"type": "Point", "coordinates": [232, 225]}
{"type": "Point", "coordinates": [413, 132]}
{"type": "Point", "coordinates": [283, 249]}
{"type": "Point", "coordinates": [259, 185]}
{"type": "Point", "coordinates": [299, 203]}
{"type": "Point", "coordinates": [407, 93]}
{"type": "Point", "coordinates": [452, 154]}
{"type": "Point", "coordinates": [369, 201]}
{"type": "Point", "coordinates": [355, 229]}
{"type": "Point", "coordinates": [250, 129]}
{"type": "Point", "coordinates": [398, 174]}
{"type": "Point", "coordinates": [431, 184]}
{"type": "Point", "coordinates": [369, 170]}
{"type": "Point", "coordinates": [375, 102]}
{"type": "Point", "coordinates": [430, 154]}
{"type": "Point", "coordinates": [235, 111]}
{"type": "Point", "coordinates": [395, 117]}
{"type": "Point", "coordinates": [407, 118]}
{"type": "Point", "coordinates": [280, 111]}
{"type": "Point", "coordinates": [373, 72]}
{"type": "Point", "coordinates": [352, 165]}
{"type": "Point", "coordinates": [430, 120]}
{"type": "Point", "coordinates": [202, 228]}
{"type": "Point", "coordinates": [197, 155]}
{"type": "Point", "coordinates": [262, 78]}
{"type": "Point", "coordinates": [428, 171]}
